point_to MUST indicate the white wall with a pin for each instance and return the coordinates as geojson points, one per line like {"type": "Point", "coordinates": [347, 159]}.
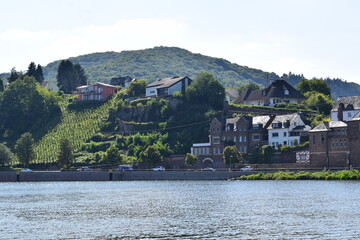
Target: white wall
{"type": "Point", "coordinates": [151, 91]}
{"type": "Point", "coordinates": [347, 114]}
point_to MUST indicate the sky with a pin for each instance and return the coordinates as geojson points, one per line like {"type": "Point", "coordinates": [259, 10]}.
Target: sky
{"type": "Point", "coordinates": [317, 38]}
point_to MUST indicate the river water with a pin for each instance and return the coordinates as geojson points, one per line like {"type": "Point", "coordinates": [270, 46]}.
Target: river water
{"type": "Point", "coordinates": [180, 210]}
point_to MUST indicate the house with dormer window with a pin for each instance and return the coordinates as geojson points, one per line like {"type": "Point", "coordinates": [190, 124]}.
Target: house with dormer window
{"type": "Point", "coordinates": [286, 130]}
{"type": "Point", "coordinates": [278, 91]}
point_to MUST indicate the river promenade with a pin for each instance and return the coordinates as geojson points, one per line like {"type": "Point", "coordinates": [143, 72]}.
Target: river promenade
{"type": "Point", "coordinates": [45, 176]}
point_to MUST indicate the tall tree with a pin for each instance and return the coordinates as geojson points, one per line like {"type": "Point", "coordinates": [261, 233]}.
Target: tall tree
{"type": "Point", "coordinates": [112, 155]}
{"type": "Point", "coordinates": [24, 149]}
{"type": "Point", "coordinates": [79, 75]}
{"type": "Point", "coordinates": [231, 155]}
{"type": "Point", "coordinates": [6, 155]}
{"type": "Point", "coordinates": [65, 80]}
{"type": "Point", "coordinates": [1, 85]}
{"type": "Point", "coordinates": [190, 159]}
{"type": "Point", "coordinates": [13, 75]}
{"type": "Point", "coordinates": [65, 155]}
{"type": "Point", "coordinates": [151, 156]}
{"type": "Point", "coordinates": [39, 74]}
{"type": "Point", "coordinates": [31, 72]}
{"type": "Point", "coordinates": [206, 90]}
{"type": "Point", "coordinates": [70, 76]}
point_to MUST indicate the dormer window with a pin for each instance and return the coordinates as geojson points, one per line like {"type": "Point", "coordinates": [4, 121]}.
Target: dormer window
{"type": "Point", "coordinates": [263, 93]}
{"type": "Point", "coordinates": [286, 92]}
{"type": "Point", "coordinates": [276, 125]}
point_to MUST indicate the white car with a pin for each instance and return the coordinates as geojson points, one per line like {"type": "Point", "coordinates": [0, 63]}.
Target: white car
{"type": "Point", "coordinates": [246, 168]}
{"type": "Point", "coordinates": [26, 170]}
{"type": "Point", "coordinates": [158, 168]}
{"type": "Point", "coordinates": [208, 169]}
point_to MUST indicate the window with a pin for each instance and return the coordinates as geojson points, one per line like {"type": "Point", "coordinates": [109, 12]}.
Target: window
{"type": "Point", "coordinates": [240, 139]}
{"type": "Point", "coordinates": [349, 114]}
{"type": "Point", "coordinates": [235, 139]}
{"type": "Point", "coordinates": [276, 125]}
{"type": "Point", "coordinates": [244, 149]}
{"type": "Point", "coordinates": [275, 134]}
{"type": "Point", "coordinates": [286, 92]}
{"type": "Point", "coordinates": [256, 137]}
{"type": "Point", "coordinates": [216, 140]}
{"type": "Point", "coordinates": [322, 139]}
{"type": "Point", "coordinates": [345, 144]}
{"type": "Point", "coordinates": [285, 143]}
{"type": "Point", "coordinates": [240, 149]}
{"type": "Point", "coordinates": [284, 134]}
{"type": "Point", "coordinates": [244, 138]}
{"type": "Point", "coordinates": [313, 140]}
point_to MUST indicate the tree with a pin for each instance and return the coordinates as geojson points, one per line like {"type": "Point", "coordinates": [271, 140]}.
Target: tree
{"type": "Point", "coordinates": [206, 90]}
{"type": "Point", "coordinates": [65, 80]}
{"type": "Point", "coordinates": [31, 72]}
{"type": "Point", "coordinates": [190, 159]}
{"type": "Point", "coordinates": [252, 86]}
{"type": "Point", "coordinates": [317, 85]}
{"type": "Point", "coordinates": [65, 155]}
{"type": "Point", "coordinates": [70, 76]}
{"type": "Point", "coordinates": [151, 156]}
{"type": "Point", "coordinates": [80, 77]}
{"type": "Point", "coordinates": [24, 149]}
{"type": "Point", "coordinates": [318, 101]}
{"type": "Point", "coordinates": [23, 104]}
{"type": "Point", "coordinates": [39, 74]}
{"type": "Point", "coordinates": [14, 75]}
{"type": "Point", "coordinates": [6, 155]}
{"type": "Point", "coordinates": [137, 88]}
{"type": "Point", "coordinates": [267, 153]}
{"type": "Point", "coordinates": [231, 155]}
{"type": "Point", "coordinates": [1, 85]}
{"type": "Point", "coordinates": [112, 155]}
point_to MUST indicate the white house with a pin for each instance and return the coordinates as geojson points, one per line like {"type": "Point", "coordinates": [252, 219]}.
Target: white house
{"type": "Point", "coordinates": [167, 86]}
{"type": "Point", "coordinates": [286, 130]}
{"type": "Point", "coordinates": [345, 108]}
{"type": "Point", "coordinates": [231, 95]}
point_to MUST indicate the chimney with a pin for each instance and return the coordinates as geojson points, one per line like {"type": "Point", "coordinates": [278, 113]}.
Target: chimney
{"type": "Point", "coordinates": [340, 112]}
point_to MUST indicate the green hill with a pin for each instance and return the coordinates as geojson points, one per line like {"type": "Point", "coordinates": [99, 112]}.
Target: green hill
{"type": "Point", "coordinates": [160, 62]}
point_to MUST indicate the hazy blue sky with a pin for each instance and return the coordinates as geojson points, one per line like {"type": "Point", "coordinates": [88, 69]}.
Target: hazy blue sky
{"type": "Point", "coordinates": [319, 38]}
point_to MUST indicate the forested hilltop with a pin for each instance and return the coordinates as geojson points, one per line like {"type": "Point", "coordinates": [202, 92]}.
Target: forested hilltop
{"type": "Point", "coordinates": [161, 62]}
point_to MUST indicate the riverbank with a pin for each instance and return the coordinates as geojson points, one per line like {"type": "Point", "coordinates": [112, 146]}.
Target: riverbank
{"type": "Point", "coordinates": [323, 175]}
{"type": "Point", "coordinates": [48, 176]}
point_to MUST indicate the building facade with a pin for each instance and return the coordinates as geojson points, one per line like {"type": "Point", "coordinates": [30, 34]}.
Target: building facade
{"type": "Point", "coordinates": [96, 91]}
{"type": "Point", "coordinates": [167, 86]}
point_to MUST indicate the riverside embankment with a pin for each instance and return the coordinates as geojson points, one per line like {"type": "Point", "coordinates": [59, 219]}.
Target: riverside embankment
{"type": "Point", "coordinates": [118, 176]}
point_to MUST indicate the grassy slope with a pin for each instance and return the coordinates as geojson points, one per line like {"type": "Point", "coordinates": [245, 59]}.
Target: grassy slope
{"type": "Point", "coordinates": [75, 125]}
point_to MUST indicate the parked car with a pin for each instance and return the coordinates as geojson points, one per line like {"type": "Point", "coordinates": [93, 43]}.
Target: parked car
{"type": "Point", "coordinates": [158, 168]}
{"type": "Point", "coordinates": [84, 169]}
{"type": "Point", "coordinates": [246, 168]}
{"type": "Point", "coordinates": [26, 170]}
{"type": "Point", "coordinates": [208, 169]}
{"type": "Point", "coordinates": [124, 168]}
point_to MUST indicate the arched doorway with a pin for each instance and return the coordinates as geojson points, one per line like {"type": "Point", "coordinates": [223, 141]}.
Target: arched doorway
{"type": "Point", "coordinates": [207, 162]}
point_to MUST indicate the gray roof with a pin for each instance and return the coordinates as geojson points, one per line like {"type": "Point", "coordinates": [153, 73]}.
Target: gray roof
{"type": "Point", "coordinates": [352, 102]}
{"type": "Point", "coordinates": [166, 82]}
{"type": "Point", "coordinates": [232, 120]}
{"type": "Point", "coordinates": [260, 120]}
{"type": "Point", "coordinates": [327, 126]}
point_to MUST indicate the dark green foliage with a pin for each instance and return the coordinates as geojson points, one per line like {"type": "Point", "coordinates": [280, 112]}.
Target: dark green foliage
{"type": "Point", "coordinates": [31, 72]}
{"type": "Point", "coordinates": [25, 104]}
{"type": "Point", "coordinates": [267, 153]}
{"type": "Point", "coordinates": [6, 155]}
{"type": "Point", "coordinates": [1, 85]}
{"type": "Point", "coordinates": [319, 101]}
{"type": "Point", "coordinates": [252, 86]}
{"type": "Point", "coordinates": [137, 88]}
{"type": "Point", "coordinates": [24, 149]}
{"type": "Point", "coordinates": [13, 75]}
{"type": "Point", "coordinates": [65, 155]}
{"type": "Point", "coordinates": [112, 155]}
{"type": "Point", "coordinates": [39, 74]}
{"type": "Point", "coordinates": [190, 159]}
{"type": "Point", "coordinates": [70, 76]}
{"type": "Point", "coordinates": [206, 91]}
{"type": "Point", "coordinates": [231, 155]}
{"type": "Point", "coordinates": [317, 85]}
{"type": "Point", "coordinates": [94, 147]}
{"type": "Point", "coordinates": [151, 156]}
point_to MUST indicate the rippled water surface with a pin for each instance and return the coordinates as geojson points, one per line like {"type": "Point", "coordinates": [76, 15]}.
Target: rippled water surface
{"type": "Point", "coordinates": [180, 210]}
